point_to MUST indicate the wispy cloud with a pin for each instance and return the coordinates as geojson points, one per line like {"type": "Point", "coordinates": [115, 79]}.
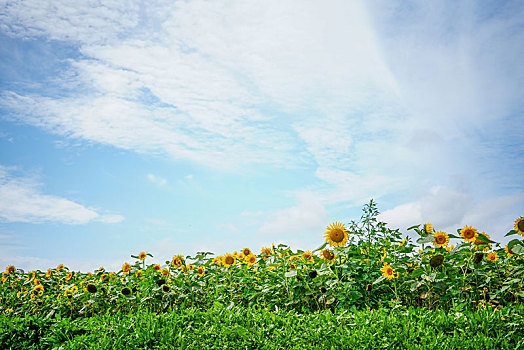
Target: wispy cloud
{"type": "Point", "coordinates": [22, 200]}
{"type": "Point", "coordinates": [157, 180]}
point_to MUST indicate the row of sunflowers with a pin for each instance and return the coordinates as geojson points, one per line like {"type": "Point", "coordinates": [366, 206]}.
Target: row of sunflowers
{"type": "Point", "coordinates": [363, 265]}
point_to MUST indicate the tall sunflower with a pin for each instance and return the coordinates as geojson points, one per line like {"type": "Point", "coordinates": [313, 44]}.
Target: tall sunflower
{"type": "Point", "coordinates": [336, 234]}
{"type": "Point", "coordinates": [469, 234]}
{"type": "Point", "coordinates": [142, 255]}
{"type": "Point", "coordinates": [519, 226]}
{"type": "Point", "coordinates": [246, 251]}
{"type": "Point", "coordinates": [428, 228]}
{"type": "Point", "coordinates": [125, 268]}
{"type": "Point", "coordinates": [441, 239]}
{"type": "Point", "coordinates": [493, 256]}
{"type": "Point", "coordinates": [228, 260]}
{"type": "Point", "coordinates": [388, 272]}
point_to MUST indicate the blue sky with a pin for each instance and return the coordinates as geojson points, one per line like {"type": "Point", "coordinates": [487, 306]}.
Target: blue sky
{"type": "Point", "coordinates": [184, 126]}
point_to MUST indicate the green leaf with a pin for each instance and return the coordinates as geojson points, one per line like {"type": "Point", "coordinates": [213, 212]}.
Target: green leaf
{"type": "Point", "coordinates": [380, 279]}
{"type": "Point", "coordinates": [320, 248]}
{"type": "Point", "coordinates": [427, 239]}
{"type": "Point", "coordinates": [510, 233]}
{"type": "Point", "coordinates": [413, 227]}
{"type": "Point", "coordinates": [291, 273]}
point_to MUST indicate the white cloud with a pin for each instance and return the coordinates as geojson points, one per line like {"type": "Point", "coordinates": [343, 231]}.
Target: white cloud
{"type": "Point", "coordinates": [450, 209]}
{"type": "Point", "coordinates": [157, 180]}
{"type": "Point", "coordinates": [21, 200]}
{"type": "Point", "coordinates": [308, 216]}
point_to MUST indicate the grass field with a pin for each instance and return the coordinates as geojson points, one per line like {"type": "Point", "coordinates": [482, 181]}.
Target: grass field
{"type": "Point", "coordinates": [251, 328]}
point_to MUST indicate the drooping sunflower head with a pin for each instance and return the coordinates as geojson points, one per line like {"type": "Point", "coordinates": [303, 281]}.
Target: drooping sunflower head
{"type": "Point", "coordinates": [519, 226]}
{"type": "Point", "coordinates": [441, 239]}
{"type": "Point", "coordinates": [493, 256]}
{"type": "Point", "coordinates": [228, 260]}
{"type": "Point", "coordinates": [469, 234]}
{"type": "Point", "coordinates": [436, 261]}
{"type": "Point", "coordinates": [336, 234]}
{"type": "Point", "coordinates": [142, 255]}
{"type": "Point", "coordinates": [478, 257]}
{"type": "Point", "coordinates": [246, 251]}
{"type": "Point", "coordinates": [91, 288]}
{"type": "Point", "coordinates": [428, 228]}
{"type": "Point", "coordinates": [327, 254]}
{"type": "Point", "coordinates": [313, 274]}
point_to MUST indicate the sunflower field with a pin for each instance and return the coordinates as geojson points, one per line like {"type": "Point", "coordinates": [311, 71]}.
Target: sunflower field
{"type": "Point", "coordinates": [362, 265]}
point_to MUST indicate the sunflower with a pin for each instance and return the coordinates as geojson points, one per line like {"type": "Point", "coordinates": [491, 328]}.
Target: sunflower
{"type": "Point", "coordinates": [217, 260]}
{"type": "Point", "coordinates": [313, 274]}
{"type": "Point", "coordinates": [142, 256]}
{"type": "Point", "coordinates": [38, 288]}
{"type": "Point", "coordinates": [125, 291]}
{"type": "Point", "coordinates": [228, 260]}
{"type": "Point", "coordinates": [469, 234]}
{"type": "Point", "coordinates": [69, 276]}
{"type": "Point", "coordinates": [428, 228]}
{"type": "Point", "coordinates": [165, 288]}
{"type": "Point", "coordinates": [265, 251]}
{"type": "Point", "coordinates": [10, 269]}
{"type": "Point", "coordinates": [327, 254]}
{"type": "Point", "coordinates": [201, 270]}
{"type": "Point", "coordinates": [60, 267]}
{"type": "Point", "coordinates": [441, 239]}
{"type": "Point", "coordinates": [336, 234]}
{"type": "Point", "coordinates": [307, 256]}
{"type": "Point", "coordinates": [388, 272]}
{"type": "Point", "coordinates": [177, 261]}
{"type": "Point", "coordinates": [156, 267]}
{"type": "Point", "coordinates": [126, 268]}
{"type": "Point", "coordinates": [519, 226]}
{"type": "Point", "coordinates": [251, 259]}
{"type": "Point", "coordinates": [91, 288]}
{"type": "Point", "coordinates": [493, 256]}
{"type": "Point", "coordinates": [48, 273]}
{"type": "Point", "coordinates": [509, 250]}
{"type": "Point", "coordinates": [139, 273]}
{"type": "Point", "coordinates": [246, 251]}
{"type": "Point", "coordinates": [323, 290]}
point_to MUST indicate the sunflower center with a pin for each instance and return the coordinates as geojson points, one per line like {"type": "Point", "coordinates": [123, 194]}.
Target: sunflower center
{"type": "Point", "coordinates": [441, 239]}
{"type": "Point", "coordinates": [469, 234]}
{"type": "Point", "coordinates": [520, 225]}
{"type": "Point", "coordinates": [336, 235]}
{"type": "Point", "coordinates": [389, 271]}
{"type": "Point", "coordinates": [228, 260]}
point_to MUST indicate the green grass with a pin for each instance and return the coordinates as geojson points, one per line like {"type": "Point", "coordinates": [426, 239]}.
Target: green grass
{"type": "Point", "coordinates": [251, 328]}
